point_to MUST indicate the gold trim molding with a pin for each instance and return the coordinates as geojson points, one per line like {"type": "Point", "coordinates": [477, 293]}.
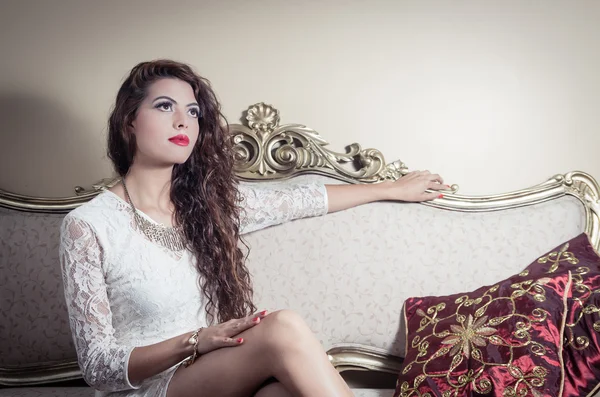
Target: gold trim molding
{"type": "Point", "coordinates": [265, 150]}
{"type": "Point", "coordinates": [355, 357]}
{"type": "Point", "coordinates": [40, 374]}
{"type": "Point", "coordinates": [60, 205]}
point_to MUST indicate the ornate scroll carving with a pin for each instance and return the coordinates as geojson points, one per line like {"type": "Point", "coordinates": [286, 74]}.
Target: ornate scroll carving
{"type": "Point", "coordinates": [266, 150]}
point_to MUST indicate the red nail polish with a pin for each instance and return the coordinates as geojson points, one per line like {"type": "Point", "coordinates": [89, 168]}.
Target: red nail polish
{"type": "Point", "coordinates": [256, 320]}
{"type": "Point", "coordinates": [263, 313]}
{"type": "Point", "coordinates": [441, 196]}
{"type": "Point", "coordinates": [240, 340]}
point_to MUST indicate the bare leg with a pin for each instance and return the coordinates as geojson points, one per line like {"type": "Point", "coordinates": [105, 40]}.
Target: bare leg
{"type": "Point", "coordinates": [280, 347]}
{"type": "Point", "coordinates": [273, 390]}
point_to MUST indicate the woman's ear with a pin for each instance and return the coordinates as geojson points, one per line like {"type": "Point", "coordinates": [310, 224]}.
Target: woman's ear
{"type": "Point", "coordinates": [130, 127]}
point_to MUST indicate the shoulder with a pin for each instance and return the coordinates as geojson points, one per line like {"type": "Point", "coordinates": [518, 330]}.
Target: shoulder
{"type": "Point", "coordinates": [95, 213]}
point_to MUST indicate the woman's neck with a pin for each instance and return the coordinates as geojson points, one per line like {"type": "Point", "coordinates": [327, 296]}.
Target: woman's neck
{"type": "Point", "coordinates": [150, 187]}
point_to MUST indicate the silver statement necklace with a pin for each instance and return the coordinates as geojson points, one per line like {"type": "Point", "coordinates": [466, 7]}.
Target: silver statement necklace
{"type": "Point", "coordinates": [167, 236]}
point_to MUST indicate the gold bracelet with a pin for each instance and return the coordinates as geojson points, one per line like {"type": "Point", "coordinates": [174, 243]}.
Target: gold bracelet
{"type": "Point", "coordinates": [193, 341]}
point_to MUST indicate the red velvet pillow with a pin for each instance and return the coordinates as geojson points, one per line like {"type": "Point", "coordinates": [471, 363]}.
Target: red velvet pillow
{"type": "Point", "coordinates": [504, 340]}
{"type": "Point", "coordinates": [529, 307]}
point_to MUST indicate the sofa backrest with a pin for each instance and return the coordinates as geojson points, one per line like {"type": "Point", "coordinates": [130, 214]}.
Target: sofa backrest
{"type": "Point", "coordinates": [34, 327]}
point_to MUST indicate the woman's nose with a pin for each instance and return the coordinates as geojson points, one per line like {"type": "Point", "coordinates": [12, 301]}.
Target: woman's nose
{"type": "Point", "coordinates": [180, 121]}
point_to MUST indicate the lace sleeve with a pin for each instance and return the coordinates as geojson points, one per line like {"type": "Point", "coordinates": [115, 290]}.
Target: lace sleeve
{"type": "Point", "coordinates": [102, 360]}
{"type": "Point", "coordinates": [270, 205]}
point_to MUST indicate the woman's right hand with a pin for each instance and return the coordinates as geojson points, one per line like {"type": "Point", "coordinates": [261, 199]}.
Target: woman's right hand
{"type": "Point", "coordinates": [223, 335]}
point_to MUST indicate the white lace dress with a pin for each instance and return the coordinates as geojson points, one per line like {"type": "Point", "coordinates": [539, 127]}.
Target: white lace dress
{"type": "Point", "coordinates": [124, 291]}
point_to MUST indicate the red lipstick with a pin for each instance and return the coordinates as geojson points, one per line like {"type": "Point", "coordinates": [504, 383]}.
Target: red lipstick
{"type": "Point", "coordinates": [181, 140]}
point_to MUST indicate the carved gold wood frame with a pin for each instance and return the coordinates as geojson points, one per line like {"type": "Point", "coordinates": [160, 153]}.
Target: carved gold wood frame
{"type": "Point", "coordinates": [266, 150]}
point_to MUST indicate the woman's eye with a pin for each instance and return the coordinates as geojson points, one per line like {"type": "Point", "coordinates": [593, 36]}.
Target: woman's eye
{"type": "Point", "coordinates": [194, 112]}
{"type": "Point", "coordinates": [164, 106]}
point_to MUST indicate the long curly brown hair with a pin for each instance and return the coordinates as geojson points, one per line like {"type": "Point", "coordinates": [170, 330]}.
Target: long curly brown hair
{"type": "Point", "coordinates": [203, 189]}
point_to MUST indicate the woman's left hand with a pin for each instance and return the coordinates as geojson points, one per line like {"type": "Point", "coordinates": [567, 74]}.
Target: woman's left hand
{"type": "Point", "coordinates": [413, 187]}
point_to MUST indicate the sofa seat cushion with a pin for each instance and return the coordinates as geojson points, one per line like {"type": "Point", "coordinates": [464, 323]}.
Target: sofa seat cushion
{"type": "Point", "coordinates": [47, 392]}
{"type": "Point", "coordinates": [373, 392]}
{"type": "Point", "coordinates": [87, 391]}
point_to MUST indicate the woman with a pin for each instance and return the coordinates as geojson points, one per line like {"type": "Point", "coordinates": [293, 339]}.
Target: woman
{"type": "Point", "coordinates": [159, 298]}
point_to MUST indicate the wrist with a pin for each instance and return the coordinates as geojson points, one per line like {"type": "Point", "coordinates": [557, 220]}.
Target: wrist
{"type": "Point", "coordinates": [382, 191]}
{"type": "Point", "coordinates": [193, 342]}
{"type": "Point", "coordinates": [186, 348]}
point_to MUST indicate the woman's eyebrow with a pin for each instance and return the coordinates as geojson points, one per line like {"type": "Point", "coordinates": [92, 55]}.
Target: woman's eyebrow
{"type": "Point", "coordinates": [174, 101]}
{"type": "Point", "coordinates": [164, 97]}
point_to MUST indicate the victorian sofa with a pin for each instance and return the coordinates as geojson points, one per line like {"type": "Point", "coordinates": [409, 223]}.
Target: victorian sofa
{"type": "Point", "coordinates": [346, 273]}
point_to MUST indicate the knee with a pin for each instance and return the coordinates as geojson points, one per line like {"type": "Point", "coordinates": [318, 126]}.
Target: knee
{"type": "Point", "coordinates": [284, 319]}
{"type": "Point", "coordinates": [284, 327]}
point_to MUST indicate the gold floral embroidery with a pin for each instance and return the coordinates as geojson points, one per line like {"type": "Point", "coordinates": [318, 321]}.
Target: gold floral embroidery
{"type": "Point", "coordinates": [474, 331]}
{"type": "Point", "coordinates": [582, 308]}
{"type": "Point", "coordinates": [536, 288]}
{"type": "Point", "coordinates": [559, 256]}
{"type": "Point", "coordinates": [466, 337]}
{"type": "Point", "coordinates": [581, 295]}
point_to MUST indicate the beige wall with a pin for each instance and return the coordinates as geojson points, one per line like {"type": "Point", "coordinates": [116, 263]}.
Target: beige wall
{"type": "Point", "coordinates": [495, 95]}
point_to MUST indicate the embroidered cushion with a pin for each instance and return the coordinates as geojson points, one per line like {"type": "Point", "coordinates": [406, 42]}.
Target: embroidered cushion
{"type": "Point", "coordinates": [500, 340]}
{"type": "Point", "coordinates": [480, 319]}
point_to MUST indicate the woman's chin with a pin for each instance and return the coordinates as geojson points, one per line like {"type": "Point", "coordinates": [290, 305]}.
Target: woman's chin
{"type": "Point", "coordinates": [177, 159]}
